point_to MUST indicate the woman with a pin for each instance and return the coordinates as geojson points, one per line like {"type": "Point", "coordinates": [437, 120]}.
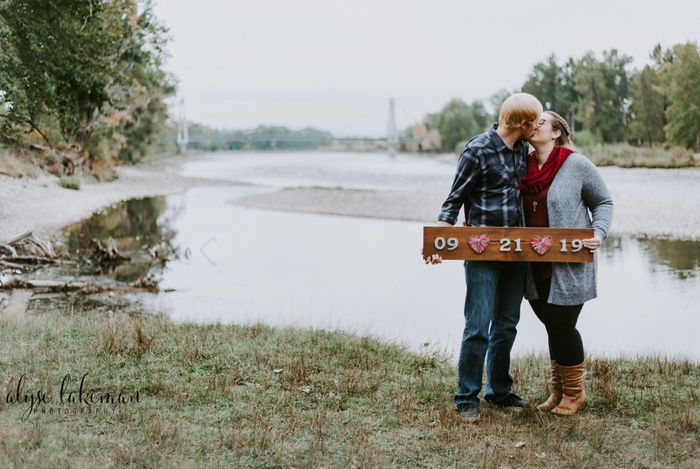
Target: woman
{"type": "Point", "coordinates": [559, 188]}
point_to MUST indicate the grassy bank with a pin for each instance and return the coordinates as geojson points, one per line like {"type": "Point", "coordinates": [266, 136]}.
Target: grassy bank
{"type": "Point", "coordinates": [625, 155]}
{"type": "Point", "coordinates": [628, 156]}
{"type": "Point", "coordinates": [233, 396]}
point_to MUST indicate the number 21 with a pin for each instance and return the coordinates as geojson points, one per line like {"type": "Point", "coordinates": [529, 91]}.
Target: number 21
{"type": "Point", "coordinates": [505, 245]}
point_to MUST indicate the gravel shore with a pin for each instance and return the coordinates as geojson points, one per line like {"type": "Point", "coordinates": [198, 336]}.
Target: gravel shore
{"type": "Point", "coordinates": [660, 203]}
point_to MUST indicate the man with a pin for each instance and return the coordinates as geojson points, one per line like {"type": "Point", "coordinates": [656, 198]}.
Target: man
{"type": "Point", "coordinates": [486, 184]}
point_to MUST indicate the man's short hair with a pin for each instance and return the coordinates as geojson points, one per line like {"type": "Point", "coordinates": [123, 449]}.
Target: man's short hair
{"type": "Point", "coordinates": [519, 107]}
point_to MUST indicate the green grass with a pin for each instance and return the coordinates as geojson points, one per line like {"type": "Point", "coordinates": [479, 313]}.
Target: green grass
{"type": "Point", "coordinates": [69, 182]}
{"type": "Point", "coordinates": [255, 396]}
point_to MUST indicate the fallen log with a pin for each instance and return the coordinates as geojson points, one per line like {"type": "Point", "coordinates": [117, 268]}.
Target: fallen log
{"type": "Point", "coordinates": [25, 248]}
{"type": "Point", "coordinates": [11, 265]}
{"type": "Point", "coordinates": [18, 237]}
{"type": "Point", "coordinates": [33, 260]}
{"type": "Point", "coordinates": [8, 282]}
{"type": "Point", "coordinates": [45, 248]}
{"type": "Point", "coordinates": [8, 248]}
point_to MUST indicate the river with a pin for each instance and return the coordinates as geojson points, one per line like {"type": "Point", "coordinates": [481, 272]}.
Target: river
{"type": "Point", "coordinates": [365, 275]}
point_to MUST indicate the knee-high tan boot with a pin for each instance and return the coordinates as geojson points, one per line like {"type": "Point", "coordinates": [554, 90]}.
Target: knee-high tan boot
{"type": "Point", "coordinates": [556, 394]}
{"type": "Point", "coordinates": [574, 396]}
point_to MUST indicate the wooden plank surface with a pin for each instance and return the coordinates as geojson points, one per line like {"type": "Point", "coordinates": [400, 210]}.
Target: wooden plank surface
{"type": "Point", "coordinates": [453, 243]}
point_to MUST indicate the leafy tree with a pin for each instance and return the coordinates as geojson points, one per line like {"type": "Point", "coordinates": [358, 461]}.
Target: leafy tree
{"type": "Point", "coordinates": [458, 121]}
{"type": "Point", "coordinates": [680, 73]}
{"type": "Point", "coordinates": [648, 107]}
{"type": "Point", "coordinates": [603, 89]}
{"type": "Point", "coordinates": [553, 85]}
{"type": "Point", "coordinates": [70, 68]}
{"type": "Point", "coordinates": [143, 110]}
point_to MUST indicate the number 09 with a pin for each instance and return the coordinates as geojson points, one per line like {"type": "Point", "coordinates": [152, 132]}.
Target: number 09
{"type": "Point", "coordinates": [451, 243]}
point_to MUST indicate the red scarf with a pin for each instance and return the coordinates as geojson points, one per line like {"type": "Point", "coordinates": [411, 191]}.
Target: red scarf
{"type": "Point", "coordinates": [535, 180]}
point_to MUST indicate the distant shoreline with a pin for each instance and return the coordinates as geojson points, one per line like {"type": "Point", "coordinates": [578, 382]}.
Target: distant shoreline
{"type": "Point", "coordinates": [611, 155]}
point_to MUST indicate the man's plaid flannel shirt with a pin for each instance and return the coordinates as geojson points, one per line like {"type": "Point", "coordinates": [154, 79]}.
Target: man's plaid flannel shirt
{"type": "Point", "coordinates": [486, 183]}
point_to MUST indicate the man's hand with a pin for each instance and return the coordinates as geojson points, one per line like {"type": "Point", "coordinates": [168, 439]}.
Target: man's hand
{"type": "Point", "coordinates": [442, 223]}
{"type": "Point", "coordinates": [592, 243]}
{"type": "Point", "coordinates": [435, 258]}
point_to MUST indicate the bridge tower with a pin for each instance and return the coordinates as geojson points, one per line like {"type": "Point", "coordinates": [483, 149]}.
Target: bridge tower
{"type": "Point", "coordinates": [391, 138]}
{"type": "Point", "coordinates": [182, 136]}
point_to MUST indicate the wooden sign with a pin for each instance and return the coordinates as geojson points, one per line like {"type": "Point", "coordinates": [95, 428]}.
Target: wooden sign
{"type": "Point", "coordinates": [507, 244]}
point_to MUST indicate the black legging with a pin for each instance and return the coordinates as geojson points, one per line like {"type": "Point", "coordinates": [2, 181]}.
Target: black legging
{"type": "Point", "coordinates": [565, 345]}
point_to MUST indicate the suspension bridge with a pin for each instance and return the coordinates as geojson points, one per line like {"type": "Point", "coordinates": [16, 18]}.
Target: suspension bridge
{"type": "Point", "coordinates": [392, 141]}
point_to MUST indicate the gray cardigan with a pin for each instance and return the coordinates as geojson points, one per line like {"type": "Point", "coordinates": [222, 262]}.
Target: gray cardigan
{"type": "Point", "coordinates": [576, 189]}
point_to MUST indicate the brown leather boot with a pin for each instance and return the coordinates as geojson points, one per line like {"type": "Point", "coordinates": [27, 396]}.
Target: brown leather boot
{"type": "Point", "coordinates": [574, 396]}
{"type": "Point", "coordinates": [555, 396]}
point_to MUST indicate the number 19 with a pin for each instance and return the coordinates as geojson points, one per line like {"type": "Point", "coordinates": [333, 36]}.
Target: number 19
{"type": "Point", "coordinates": [576, 245]}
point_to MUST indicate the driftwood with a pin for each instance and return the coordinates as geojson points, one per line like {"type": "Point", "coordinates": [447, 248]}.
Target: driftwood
{"type": "Point", "coordinates": [45, 248]}
{"type": "Point", "coordinates": [18, 238]}
{"type": "Point", "coordinates": [12, 265]}
{"type": "Point", "coordinates": [35, 260]}
{"type": "Point", "coordinates": [24, 253]}
{"type": "Point", "coordinates": [8, 248]}
{"type": "Point", "coordinates": [24, 250]}
{"type": "Point", "coordinates": [17, 281]}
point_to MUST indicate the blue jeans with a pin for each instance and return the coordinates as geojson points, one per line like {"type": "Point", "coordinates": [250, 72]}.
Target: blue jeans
{"type": "Point", "coordinates": [491, 313]}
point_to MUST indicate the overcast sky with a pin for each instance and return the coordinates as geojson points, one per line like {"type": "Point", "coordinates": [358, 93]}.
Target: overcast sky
{"type": "Point", "coordinates": [333, 65]}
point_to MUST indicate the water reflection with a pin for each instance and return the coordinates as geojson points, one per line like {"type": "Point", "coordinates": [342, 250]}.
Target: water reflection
{"type": "Point", "coordinates": [141, 230]}
{"type": "Point", "coordinates": [682, 257]}
{"type": "Point", "coordinates": [677, 257]}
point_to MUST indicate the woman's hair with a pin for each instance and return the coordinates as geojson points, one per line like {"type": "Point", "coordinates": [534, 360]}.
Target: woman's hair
{"type": "Point", "coordinates": [560, 124]}
{"type": "Point", "coordinates": [517, 108]}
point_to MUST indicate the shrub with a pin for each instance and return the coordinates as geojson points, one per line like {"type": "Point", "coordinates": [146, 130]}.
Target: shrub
{"type": "Point", "coordinates": [69, 182]}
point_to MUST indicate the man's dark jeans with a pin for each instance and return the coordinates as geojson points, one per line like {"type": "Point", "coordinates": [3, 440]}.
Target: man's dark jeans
{"type": "Point", "coordinates": [491, 313]}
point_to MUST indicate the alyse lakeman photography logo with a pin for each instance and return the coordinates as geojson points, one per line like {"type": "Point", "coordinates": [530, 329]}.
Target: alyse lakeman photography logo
{"type": "Point", "coordinates": [70, 396]}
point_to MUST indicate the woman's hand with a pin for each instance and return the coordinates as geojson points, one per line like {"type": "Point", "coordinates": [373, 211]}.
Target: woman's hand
{"type": "Point", "coordinates": [592, 243]}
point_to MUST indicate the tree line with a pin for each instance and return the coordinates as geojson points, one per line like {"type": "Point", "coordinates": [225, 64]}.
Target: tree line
{"type": "Point", "coordinates": [604, 100]}
{"type": "Point", "coordinates": [204, 138]}
{"type": "Point", "coordinates": [82, 80]}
